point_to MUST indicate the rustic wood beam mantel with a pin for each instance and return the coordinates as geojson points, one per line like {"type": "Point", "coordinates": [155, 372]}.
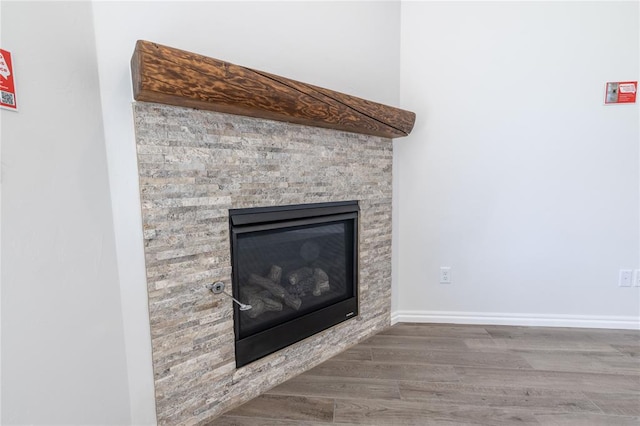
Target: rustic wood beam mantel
{"type": "Point", "coordinates": [171, 76]}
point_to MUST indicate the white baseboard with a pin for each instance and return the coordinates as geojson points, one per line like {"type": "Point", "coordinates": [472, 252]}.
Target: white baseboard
{"type": "Point", "coordinates": [537, 320]}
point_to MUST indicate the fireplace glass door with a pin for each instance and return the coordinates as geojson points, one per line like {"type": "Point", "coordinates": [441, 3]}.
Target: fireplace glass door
{"type": "Point", "coordinates": [296, 266]}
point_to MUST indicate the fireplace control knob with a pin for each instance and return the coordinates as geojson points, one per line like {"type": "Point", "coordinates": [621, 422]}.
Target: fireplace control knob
{"type": "Point", "coordinates": [218, 287]}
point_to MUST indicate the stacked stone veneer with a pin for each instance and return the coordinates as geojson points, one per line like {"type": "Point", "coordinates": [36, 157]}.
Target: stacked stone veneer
{"type": "Point", "coordinates": [195, 165]}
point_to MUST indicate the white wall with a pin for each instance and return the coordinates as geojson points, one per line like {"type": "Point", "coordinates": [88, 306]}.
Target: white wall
{"type": "Point", "coordinates": [63, 358]}
{"type": "Point", "coordinates": [516, 175]}
{"type": "Point", "coordinates": [351, 47]}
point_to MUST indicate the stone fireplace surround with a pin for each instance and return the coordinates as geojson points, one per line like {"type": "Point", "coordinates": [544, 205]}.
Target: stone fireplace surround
{"type": "Point", "coordinates": [194, 166]}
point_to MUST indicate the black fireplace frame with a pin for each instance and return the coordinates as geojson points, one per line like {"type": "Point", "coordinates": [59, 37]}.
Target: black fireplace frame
{"type": "Point", "coordinates": [258, 345]}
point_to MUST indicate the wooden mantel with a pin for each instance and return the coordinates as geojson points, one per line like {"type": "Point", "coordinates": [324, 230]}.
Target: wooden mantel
{"type": "Point", "coordinates": [171, 76]}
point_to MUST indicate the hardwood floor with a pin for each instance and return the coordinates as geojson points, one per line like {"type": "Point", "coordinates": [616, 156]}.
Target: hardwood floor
{"type": "Point", "coordinates": [433, 374]}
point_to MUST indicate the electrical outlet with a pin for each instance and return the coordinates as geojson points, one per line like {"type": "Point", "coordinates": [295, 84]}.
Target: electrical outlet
{"type": "Point", "coordinates": [624, 279]}
{"type": "Point", "coordinates": [445, 275]}
{"type": "Point", "coordinates": [636, 278]}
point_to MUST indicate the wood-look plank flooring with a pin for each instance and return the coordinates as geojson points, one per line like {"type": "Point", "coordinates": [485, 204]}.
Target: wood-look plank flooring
{"type": "Point", "coordinates": [436, 374]}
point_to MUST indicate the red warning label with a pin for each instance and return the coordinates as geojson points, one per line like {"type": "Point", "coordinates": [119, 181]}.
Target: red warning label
{"type": "Point", "coordinates": [621, 92]}
{"type": "Point", "coordinates": [7, 82]}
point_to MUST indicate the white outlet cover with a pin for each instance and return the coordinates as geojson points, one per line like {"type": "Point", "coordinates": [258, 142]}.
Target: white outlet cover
{"type": "Point", "coordinates": [636, 278]}
{"type": "Point", "coordinates": [445, 275]}
{"type": "Point", "coordinates": [625, 277]}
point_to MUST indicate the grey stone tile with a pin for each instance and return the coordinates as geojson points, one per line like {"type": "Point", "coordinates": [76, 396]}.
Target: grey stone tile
{"type": "Point", "coordinates": [194, 166]}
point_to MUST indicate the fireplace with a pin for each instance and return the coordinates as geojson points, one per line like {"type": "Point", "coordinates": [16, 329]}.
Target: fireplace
{"type": "Point", "coordinates": [296, 268]}
{"type": "Point", "coordinates": [229, 138]}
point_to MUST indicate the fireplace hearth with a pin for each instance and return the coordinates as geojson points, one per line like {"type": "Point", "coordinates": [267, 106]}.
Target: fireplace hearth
{"type": "Point", "coordinates": [296, 266]}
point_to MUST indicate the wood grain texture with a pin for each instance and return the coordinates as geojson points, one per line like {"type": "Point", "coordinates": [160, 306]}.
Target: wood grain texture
{"type": "Point", "coordinates": [586, 362]}
{"type": "Point", "coordinates": [172, 76]}
{"type": "Point", "coordinates": [620, 404]}
{"type": "Point", "coordinates": [426, 374]}
{"type": "Point", "coordinates": [522, 398]}
{"type": "Point", "coordinates": [357, 353]}
{"type": "Point", "coordinates": [409, 413]}
{"type": "Point", "coordinates": [439, 357]}
{"type": "Point", "coordinates": [259, 421]}
{"type": "Point", "coordinates": [338, 387]}
{"type": "Point", "coordinates": [437, 330]}
{"type": "Point", "coordinates": [585, 419]}
{"type": "Point", "coordinates": [539, 344]}
{"type": "Point", "coordinates": [408, 342]}
{"type": "Point", "coordinates": [287, 407]}
{"type": "Point", "coordinates": [382, 370]}
{"type": "Point", "coordinates": [550, 379]}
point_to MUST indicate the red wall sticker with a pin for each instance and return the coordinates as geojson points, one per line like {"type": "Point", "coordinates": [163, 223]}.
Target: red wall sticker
{"type": "Point", "coordinates": [7, 82]}
{"type": "Point", "coordinates": [621, 92]}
